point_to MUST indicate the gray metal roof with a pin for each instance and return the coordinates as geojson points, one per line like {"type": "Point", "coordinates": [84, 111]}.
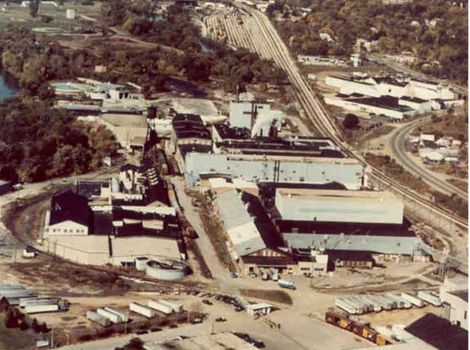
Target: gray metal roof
{"type": "Point", "coordinates": [232, 210]}
{"type": "Point", "coordinates": [376, 244]}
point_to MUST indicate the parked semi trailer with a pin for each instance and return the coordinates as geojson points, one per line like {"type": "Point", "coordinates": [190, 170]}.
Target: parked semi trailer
{"type": "Point", "coordinates": [174, 306]}
{"type": "Point", "coordinates": [37, 309]}
{"type": "Point", "coordinates": [124, 318]}
{"type": "Point", "coordinates": [431, 298]}
{"type": "Point", "coordinates": [413, 300]}
{"type": "Point", "coordinates": [95, 317]}
{"type": "Point", "coordinates": [156, 305]}
{"type": "Point", "coordinates": [109, 315]}
{"type": "Point", "coordinates": [142, 310]}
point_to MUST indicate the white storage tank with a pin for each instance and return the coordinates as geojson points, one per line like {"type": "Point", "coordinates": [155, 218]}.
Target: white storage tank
{"type": "Point", "coordinates": [160, 307]}
{"type": "Point", "coordinates": [166, 269]}
{"type": "Point", "coordinates": [142, 310]}
{"type": "Point", "coordinates": [141, 263]}
{"type": "Point", "coordinates": [70, 14]}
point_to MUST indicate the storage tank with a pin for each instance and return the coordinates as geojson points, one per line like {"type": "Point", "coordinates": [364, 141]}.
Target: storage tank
{"type": "Point", "coordinates": [142, 310]}
{"type": "Point", "coordinates": [166, 269]}
{"type": "Point", "coordinates": [174, 306]}
{"type": "Point", "coordinates": [160, 307]}
{"type": "Point", "coordinates": [109, 315]}
{"type": "Point", "coordinates": [95, 317]}
{"type": "Point", "coordinates": [141, 263]}
{"type": "Point", "coordinates": [36, 309]}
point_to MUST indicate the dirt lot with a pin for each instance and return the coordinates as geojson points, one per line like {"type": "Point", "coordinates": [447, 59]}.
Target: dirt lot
{"type": "Point", "coordinates": [276, 296]}
{"type": "Point", "coordinates": [386, 318]}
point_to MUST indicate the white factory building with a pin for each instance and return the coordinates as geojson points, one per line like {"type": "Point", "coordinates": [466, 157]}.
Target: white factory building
{"type": "Point", "coordinates": [352, 222]}
{"type": "Point", "coordinates": [379, 106]}
{"type": "Point", "coordinates": [387, 86]}
{"type": "Point", "coordinates": [275, 168]}
{"type": "Point", "coordinates": [300, 204]}
{"type": "Point", "coordinates": [239, 225]}
{"type": "Point", "coordinates": [258, 117]}
{"type": "Point", "coordinates": [387, 96]}
{"type": "Point", "coordinates": [454, 296]}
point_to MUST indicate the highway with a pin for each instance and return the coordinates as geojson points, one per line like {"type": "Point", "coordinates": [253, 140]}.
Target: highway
{"type": "Point", "coordinates": [397, 144]}
{"type": "Point", "coordinates": [249, 28]}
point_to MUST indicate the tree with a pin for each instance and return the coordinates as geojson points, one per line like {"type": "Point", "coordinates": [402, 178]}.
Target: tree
{"type": "Point", "coordinates": [34, 7]}
{"type": "Point", "coordinates": [351, 121]}
{"type": "Point", "coordinates": [10, 320]}
{"type": "Point", "coordinates": [35, 326]}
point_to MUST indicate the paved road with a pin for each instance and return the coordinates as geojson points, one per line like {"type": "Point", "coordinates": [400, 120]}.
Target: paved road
{"type": "Point", "coordinates": [397, 145]}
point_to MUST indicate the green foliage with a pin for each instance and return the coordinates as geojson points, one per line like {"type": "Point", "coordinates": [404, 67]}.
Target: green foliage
{"type": "Point", "coordinates": [351, 121]}
{"type": "Point", "coordinates": [34, 7]}
{"type": "Point", "coordinates": [176, 30]}
{"type": "Point", "coordinates": [441, 34]}
{"type": "Point", "coordinates": [38, 142]}
{"type": "Point", "coordinates": [134, 344]}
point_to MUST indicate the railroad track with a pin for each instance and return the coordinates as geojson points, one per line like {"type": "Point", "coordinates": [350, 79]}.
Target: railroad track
{"type": "Point", "coordinates": [257, 34]}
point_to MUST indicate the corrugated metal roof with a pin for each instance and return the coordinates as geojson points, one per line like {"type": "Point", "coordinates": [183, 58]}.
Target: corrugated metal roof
{"type": "Point", "coordinates": [377, 244]}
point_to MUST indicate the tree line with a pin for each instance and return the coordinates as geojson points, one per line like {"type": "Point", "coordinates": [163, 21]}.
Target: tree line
{"type": "Point", "coordinates": [433, 30]}
{"type": "Point", "coordinates": [38, 142]}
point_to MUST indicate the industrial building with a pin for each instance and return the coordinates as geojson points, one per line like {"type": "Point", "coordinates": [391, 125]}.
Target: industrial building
{"type": "Point", "coordinates": [390, 86]}
{"type": "Point", "coordinates": [275, 168]}
{"type": "Point", "coordinates": [258, 117]}
{"type": "Point", "coordinates": [254, 242]}
{"type": "Point", "coordinates": [394, 97]}
{"type": "Point", "coordinates": [188, 129]}
{"type": "Point", "coordinates": [299, 204]}
{"type": "Point", "coordinates": [203, 342]}
{"type": "Point", "coordinates": [119, 222]}
{"type": "Point", "coordinates": [381, 106]}
{"type": "Point", "coordinates": [130, 129]}
{"type": "Point", "coordinates": [454, 296]}
{"type": "Point", "coordinates": [242, 232]}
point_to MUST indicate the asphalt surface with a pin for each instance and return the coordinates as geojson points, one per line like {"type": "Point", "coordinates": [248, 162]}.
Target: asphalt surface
{"type": "Point", "coordinates": [397, 146]}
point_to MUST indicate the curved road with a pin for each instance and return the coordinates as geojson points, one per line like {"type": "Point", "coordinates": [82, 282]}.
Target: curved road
{"type": "Point", "coordinates": [397, 143]}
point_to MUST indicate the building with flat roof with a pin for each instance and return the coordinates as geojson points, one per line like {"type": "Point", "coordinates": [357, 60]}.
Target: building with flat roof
{"type": "Point", "coordinates": [275, 168]}
{"type": "Point", "coordinates": [203, 342]}
{"type": "Point", "coordinates": [319, 205]}
{"type": "Point", "coordinates": [130, 129]}
{"type": "Point", "coordinates": [241, 230]}
{"type": "Point", "coordinates": [454, 296]}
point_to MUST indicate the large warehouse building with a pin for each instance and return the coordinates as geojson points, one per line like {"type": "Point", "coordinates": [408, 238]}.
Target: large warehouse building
{"type": "Point", "coordinates": [339, 206]}
{"type": "Point", "coordinates": [275, 168]}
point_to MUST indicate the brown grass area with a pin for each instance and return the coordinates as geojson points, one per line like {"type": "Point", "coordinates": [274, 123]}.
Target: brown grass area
{"type": "Point", "coordinates": [276, 296]}
{"type": "Point", "coordinates": [463, 185]}
{"type": "Point", "coordinates": [215, 231]}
